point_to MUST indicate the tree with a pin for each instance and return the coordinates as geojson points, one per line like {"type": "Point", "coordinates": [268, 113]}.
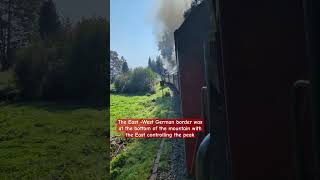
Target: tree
{"type": "Point", "coordinates": [17, 19]}
{"type": "Point", "coordinates": [49, 23]}
{"type": "Point", "coordinates": [159, 66]}
{"type": "Point", "coordinates": [86, 69]}
{"type": "Point", "coordinates": [149, 62]}
{"type": "Point", "coordinates": [139, 80]}
{"type": "Point", "coordinates": [115, 65]}
{"type": "Point", "coordinates": [152, 65]}
{"type": "Point", "coordinates": [76, 71]}
{"type": "Point", "coordinates": [125, 67]}
{"type": "Point", "coordinates": [66, 29]}
{"type": "Point", "coordinates": [156, 66]}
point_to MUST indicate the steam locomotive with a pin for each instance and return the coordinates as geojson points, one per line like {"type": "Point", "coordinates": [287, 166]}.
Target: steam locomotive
{"type": "Point", "coordinates": [171, 78]}
{"type": "Point", "coordinates": [249, 68]}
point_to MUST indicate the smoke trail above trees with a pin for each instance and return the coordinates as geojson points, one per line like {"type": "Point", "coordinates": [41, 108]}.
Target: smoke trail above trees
{"type": "Point", "coordinates": [168, 16]}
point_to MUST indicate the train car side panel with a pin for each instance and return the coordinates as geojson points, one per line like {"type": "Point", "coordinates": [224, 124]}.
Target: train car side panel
{"type": "Point", "coordinates": [190, 39]}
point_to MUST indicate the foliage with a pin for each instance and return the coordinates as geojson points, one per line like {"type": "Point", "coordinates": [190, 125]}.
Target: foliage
{"type": "Point", "coordinates": [125, 67]}
{"type": "Point", "coordinates": [121, 82]}
{"type": "Point", "coordinates": [72, 69]}
{"type": "Point", "coordinates": [17, 26]}
{"type": "Point", "coordinates": [86, 68]}
{"type": "Point", "coordinates": [159, 66]}
{"type": "Point", "coordinates": [119, 161]}
{"type": "Point", "coordinates": [49, 23]}
{"type": "Point", "coordinates": [40, 72]}
{"type": "Point", "coordinates": [31, 68]}
{"type": "Point", "coordinates": [156, 66]}
{"type": "Point", "coordinates": [140, 80]}
{"type": "Point", "coordinates": [7, 79]}
{"type": "Point", "coordinates": [152, 64]}
{"type": "Point", "coordinates": [115, 65]}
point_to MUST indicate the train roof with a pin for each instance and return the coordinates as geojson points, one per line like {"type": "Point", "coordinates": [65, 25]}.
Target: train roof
{"type": "Point", "coordinates": [196, 11]}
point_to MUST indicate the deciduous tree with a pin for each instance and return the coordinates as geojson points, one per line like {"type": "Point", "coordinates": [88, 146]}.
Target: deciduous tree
{"type": "Point", "coordinates": [49, 23]}
{"type": "Point", "coordinates": [17, 26]}
{"type": "Point", "coordinates": [115, 65]}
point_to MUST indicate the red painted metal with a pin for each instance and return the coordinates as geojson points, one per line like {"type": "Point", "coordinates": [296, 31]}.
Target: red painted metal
{"type": "Point", "coordinates": [263, 51]}
{"type": "Point", "coordinates": [189, 40]}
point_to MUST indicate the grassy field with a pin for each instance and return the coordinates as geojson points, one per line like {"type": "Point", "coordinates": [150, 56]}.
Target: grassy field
{"type": "Point", "coordinates": [52, 141]}
{"type": "Point", "coordinates": [6, 79]}
{"type": "Point", "coordinates": [135, 163]}
{"type": "Point", "coordinates": [138, 106]}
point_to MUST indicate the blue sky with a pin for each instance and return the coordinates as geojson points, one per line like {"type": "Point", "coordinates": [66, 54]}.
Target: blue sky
{"type": "Point", "coordinates": [131, 31]}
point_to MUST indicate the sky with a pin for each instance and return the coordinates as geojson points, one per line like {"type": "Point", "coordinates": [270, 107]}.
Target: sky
{"type": "Point", "coordinates": [76, 9]}
{"type": "Point", "coordinates": [131, 31]}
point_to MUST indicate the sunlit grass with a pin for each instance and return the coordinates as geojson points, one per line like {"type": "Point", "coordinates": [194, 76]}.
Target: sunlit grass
{"type": "Point", "coordinates": [138, 106]}
{"type": "Point", "coordinates": [135, 163]}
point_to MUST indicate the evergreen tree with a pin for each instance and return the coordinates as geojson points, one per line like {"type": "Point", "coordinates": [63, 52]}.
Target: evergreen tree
{"type": "Point", "coordinates": [149, 63]}
{"type": "Point", "coordinates": [49, 23]}
{"type": "Point", "coordinates": [125, 67]}
{"type": "Point", "coordinates": [159, 66]}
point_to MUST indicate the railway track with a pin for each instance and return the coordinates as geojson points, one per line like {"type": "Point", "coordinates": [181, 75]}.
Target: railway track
{"type": "Point", "coordinates": [176, 169]}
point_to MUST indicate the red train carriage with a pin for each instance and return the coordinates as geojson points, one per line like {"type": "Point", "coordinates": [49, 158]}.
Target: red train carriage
{"type": "Point", "coordinates": [254, 57]}
{"type": "Point", "coordinates": [189, 41]}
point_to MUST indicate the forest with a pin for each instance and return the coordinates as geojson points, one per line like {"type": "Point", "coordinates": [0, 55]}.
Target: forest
{"type": "Point", "coordinates": [52, 58]}
{"type": "Point", "coordinates": [53, 93]}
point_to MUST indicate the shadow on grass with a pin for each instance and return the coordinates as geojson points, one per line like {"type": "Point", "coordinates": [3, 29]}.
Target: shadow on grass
{"type": "Point", "coordinates": [56, 106]}
{"type": "Point", "coordinates": [162, 107]}
{"type": "Point", "coordinates": [133, 94]}
{"type": "Point", "coordinates": [167, 107]}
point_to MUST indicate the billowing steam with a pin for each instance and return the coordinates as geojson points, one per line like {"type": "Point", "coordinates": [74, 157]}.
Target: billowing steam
{"type": "Point", "coordinates": [168, 18]}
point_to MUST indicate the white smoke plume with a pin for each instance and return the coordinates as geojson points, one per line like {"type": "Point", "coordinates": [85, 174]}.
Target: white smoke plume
{"type": "Point", "coordinates": [168, 16]}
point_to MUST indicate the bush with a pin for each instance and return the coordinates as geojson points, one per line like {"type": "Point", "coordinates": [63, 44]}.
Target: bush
{"type": "Point", "coordinates": [39, 72]}
{"type": "Point", "coordinates": [121, 82]}
{"type": "Point", "coordinates": [70, 69]}
{"type": "Point", "coordinates": [117, 163]}
{"type": "Point", "coordinates": [86, 78]}
{"type": "Point", "coordinates": [140, 80]}
{"type": "Point", "coordinates": [31, 67]}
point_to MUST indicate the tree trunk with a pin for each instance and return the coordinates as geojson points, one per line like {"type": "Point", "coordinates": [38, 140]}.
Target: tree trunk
{"type": "Point", "coordinates": [7, 59]}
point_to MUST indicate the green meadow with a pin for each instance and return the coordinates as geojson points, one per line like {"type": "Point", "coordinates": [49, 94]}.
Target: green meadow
{"type": "Point", "coordinates": [138, 106]}
{"type": "Point", "coordinates": [136, 161]}
{"type": "Point", "coordinates": [40, 140]}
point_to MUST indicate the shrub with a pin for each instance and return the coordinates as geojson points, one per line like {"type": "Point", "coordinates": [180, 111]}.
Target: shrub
{"type": "Point", "coordinates": [31, 67]}
{"type": "Point", "coordinates": [140, 80]}
{"type": "Point", "coordinates": [121, 82]}
{"type": "Point", "coordinates": [119, 161]}
{"type": "Point", "coordinates": [86, 78]}
{"type": "Point", "coordinates": [71, 69]}
{"type": "Point", "coordinates": [112, 88]}
{"type": "Point", "coordinates": [39, 72]}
